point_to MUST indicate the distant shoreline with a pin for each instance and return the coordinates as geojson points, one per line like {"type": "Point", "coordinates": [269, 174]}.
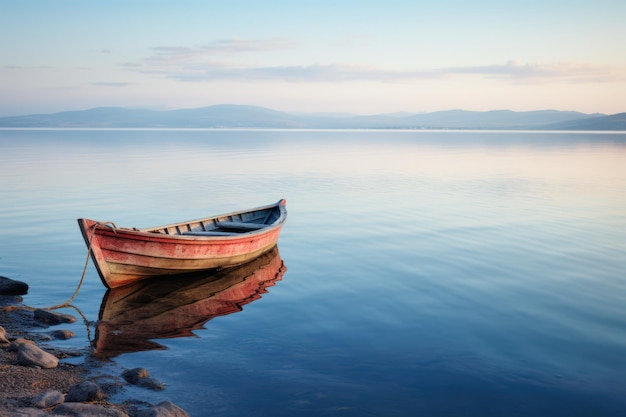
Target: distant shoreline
{"type": "Point", "coordinates": [230, 117]}
{"type": "Point", "coordinates": [260, 129]}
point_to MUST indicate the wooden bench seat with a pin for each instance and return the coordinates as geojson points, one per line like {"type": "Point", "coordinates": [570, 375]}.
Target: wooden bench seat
{"type": "Point", "coordinates": [209, 233]}
{"type": "Point", "coordinates": [240, 225]}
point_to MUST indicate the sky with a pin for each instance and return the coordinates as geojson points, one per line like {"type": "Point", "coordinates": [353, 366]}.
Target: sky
{"type": "Point", "coordinates": [362, 57]}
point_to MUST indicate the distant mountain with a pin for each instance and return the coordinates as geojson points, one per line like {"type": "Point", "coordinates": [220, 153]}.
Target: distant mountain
{"type": "Point", "coordinates": [237, 116]}
{"type": "Point", "coordinates": [228, 116]}
{"type": "Point", "coordinates": [463, 119]}
{"type": "Point", "coordinates": [612, 122]}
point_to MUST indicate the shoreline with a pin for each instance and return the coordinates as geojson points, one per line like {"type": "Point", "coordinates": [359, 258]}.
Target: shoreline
{"type": "Point", "coordinates": [21, 386]}
{"type": "Point", "coordinates": [20, 382]}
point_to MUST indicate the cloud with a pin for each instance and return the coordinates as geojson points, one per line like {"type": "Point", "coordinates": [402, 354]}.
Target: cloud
{"type": "Point", "coordinates": [564, 71]}
{"type": "Point", "coordinates": [22, 68]}
{"type": "Point", "coordinates": [112, 84]}
{"type": "Point", "coordinates": [246, 45]}
{"type": "Point", "coordinates": [214, 70]}
{"type": "Point", "coordinates": [297, 73]}
{"type": "Point", "coordinates": [171, 55]}
{"type": "Point", "coordinates": [218, 60]}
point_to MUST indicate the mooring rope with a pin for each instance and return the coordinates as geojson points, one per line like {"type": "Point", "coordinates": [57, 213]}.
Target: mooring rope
{"type": "Point", "coordinates": [80, 284]}
{"type": "Point", "coordinates": [82, 278]}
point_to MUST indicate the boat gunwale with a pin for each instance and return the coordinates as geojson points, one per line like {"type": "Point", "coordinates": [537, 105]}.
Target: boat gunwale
{"type": "Point", "coordinates": [281, 204]}
{"type": "Point", "coordinates": [152, 234]}
{"type": "Point", "coordinates": [125, 233]}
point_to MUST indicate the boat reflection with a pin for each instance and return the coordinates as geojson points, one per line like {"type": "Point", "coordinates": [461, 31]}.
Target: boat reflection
{"type": "Point", "coordinates": [165, 308]}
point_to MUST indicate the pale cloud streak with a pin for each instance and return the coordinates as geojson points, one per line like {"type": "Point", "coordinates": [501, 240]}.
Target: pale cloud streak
{"type": "Point", "coordinates": [219, 60]}
{"type": "Point", "coordinates": [538, 72]}
{"type": "Point", "coordinates": [178, 55]}
{"type": "Point", "coordinates": [112, 84]}
{"type": "Point", "coordinates": [24, 68]}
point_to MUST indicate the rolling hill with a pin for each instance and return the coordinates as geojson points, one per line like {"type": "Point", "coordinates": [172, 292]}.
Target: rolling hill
{"type": "Point", "coordinates": [239, 116]}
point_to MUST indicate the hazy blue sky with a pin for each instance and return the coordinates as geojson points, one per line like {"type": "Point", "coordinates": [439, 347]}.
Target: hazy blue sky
{"type": "Point", "coordinates": [320, 56]}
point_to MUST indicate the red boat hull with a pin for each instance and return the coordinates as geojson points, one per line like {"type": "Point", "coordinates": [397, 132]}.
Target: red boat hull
{"type": "Point", "coordinates": [123, 256]}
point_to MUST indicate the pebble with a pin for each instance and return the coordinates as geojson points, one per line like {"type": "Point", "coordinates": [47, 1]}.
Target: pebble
{"type": "Point", "coordinates": [15, 345]}
{"type": "Point", "coordinates": [86, 391]}
{"type": "Point", "coordinates": [132, 376]}
{"type": "Point", "coordinates": [163, 409]}
{"type": "Point", "coordinates": [140, 377]}
{"type": "Point", "coordinates": [25, 412]}
{"type": "Point", "coordinates": [62, 334]}
{"type": "Point", "coordinates": [3, 336]}
{"type": "Point", "coordinates": [86, 410]}
{"type": "Point", "coordinates": [47, 399]}
{"type": "Point", "coordinates": [10, 286]}
{"type": "Point", "coordinates": [32, 355]}
{"type": "Point", "coordinates": [51, 317]}
{"type": "Point", "coordinates": [8, 302]}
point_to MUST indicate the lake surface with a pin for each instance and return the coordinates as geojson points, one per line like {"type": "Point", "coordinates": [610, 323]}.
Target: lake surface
{"type": "Point", "coordinates": [428, 273]}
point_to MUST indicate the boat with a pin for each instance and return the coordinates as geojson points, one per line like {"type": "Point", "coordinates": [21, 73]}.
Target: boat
{"type": "Point", "coordinates": [133, 316]}
{"type": "Point", "coordinates": [123, 256]}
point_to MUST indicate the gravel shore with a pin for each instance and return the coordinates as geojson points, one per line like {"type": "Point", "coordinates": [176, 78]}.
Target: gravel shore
{"type": "Point", "coordinates": [20, 384]}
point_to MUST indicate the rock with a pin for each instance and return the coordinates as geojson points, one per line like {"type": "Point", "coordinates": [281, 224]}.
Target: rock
{"type": "Point", "coordinates": [86, 410]}
{"type": "Point", "coordinates": [50, 317]}
{"type": "Point", "coordinates": [164, 409]}
{"type": "Point", "coordinates": [140, 377]}
{"type": "Point", "coordinates": [62, 334]}
{"type": "Point", "coordinates": [15, 345]}
{"type": "Point", "coordinates": [23, 412]}
{"type": "Point", "coordinates": [32, 355]}
{"type": "Point", "coordinates": [7, 302]}
{"type": "Point", "coordinates": [132, 376]}
{"type": "Point", "coordinates": [84, 392]}
{"type": "Point", "coordinates": [3, 336]}
{"type": "Point", "coordinates": [10, 286]}
{"type": "Point", "coordinates": [48, 399]}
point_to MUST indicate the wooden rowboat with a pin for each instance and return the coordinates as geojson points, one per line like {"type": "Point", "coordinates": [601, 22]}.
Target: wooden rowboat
{"type": "Point", "coordinates": [126, 255]}
{"type": "Point", "coordinates": [131, 317]}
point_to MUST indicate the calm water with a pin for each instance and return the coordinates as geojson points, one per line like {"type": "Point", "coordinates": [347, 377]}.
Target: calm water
{"type": "Point", "coordinates": [428, 273]}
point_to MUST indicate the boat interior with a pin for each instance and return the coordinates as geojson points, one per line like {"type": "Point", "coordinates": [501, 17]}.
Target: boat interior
{"type": "Point", "coordinates": [227, 225]}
